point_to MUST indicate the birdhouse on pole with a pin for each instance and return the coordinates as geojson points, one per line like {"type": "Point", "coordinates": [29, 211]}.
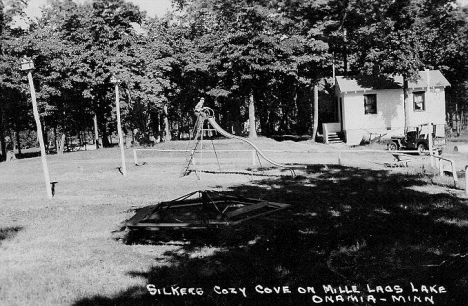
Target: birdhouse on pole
{"type": "Point", "coordinates": [27, 64]}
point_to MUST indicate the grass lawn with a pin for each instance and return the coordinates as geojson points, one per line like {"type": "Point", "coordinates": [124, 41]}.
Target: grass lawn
{"type": "Point", "coordinates": [386, 231]}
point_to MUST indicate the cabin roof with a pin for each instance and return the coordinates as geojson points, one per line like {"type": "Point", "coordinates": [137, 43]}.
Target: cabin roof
{"type": "Point", "coordinates": [359, 83]}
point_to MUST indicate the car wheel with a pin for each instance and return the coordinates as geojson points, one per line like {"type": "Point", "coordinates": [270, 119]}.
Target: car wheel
{"type": "Point", "coordinates": [393, 146]}
{"type": "Point", "coordinates": [422, 150]}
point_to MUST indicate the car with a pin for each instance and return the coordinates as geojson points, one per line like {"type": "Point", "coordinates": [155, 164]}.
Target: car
{"type": "Point", "coordinates": [417, 138]}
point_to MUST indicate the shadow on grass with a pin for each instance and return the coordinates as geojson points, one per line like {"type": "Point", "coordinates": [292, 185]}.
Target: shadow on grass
{"type": "Point", "coordinates": [347, 226]}
{"type": "Point", "coordinates": [8, 232]}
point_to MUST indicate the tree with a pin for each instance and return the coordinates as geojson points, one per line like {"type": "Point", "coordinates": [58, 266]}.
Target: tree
{"type": "Point", "coordinates": [10, 78]}
{"type": "Point", "coordinates": [397, 37]}
{"type": "Point", "coordinates": [91, 42]}
{"type": "Point", "coordinates": [251, 50]}
{"type": "Point", "coordinates": [253, 60]}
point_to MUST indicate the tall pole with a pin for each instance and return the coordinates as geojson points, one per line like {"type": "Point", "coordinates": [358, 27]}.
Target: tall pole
{"type": "Point", "coordinates": [39, 136]}
{"type": "Point", "coordinates": [406, 104]}
{"type": "Point", "coordinates": [119, 128]}
{"type": "Point", "coordinates": [431, 144]}
{"type": "Point", "coordinates": [315, 119]}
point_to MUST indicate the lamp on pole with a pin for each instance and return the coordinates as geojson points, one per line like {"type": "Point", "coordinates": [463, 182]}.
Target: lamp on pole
{"type": "Point", "coordinates": [116, 83]}
{"type": "Point", "coordinates": [28, 65]}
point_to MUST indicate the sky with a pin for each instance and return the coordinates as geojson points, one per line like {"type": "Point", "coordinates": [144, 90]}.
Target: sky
{"type": "Point", "coordinates": [152, 7]}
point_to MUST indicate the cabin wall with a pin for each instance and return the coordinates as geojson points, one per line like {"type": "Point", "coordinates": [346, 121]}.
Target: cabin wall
{"type": "Point", "coordinates": [389, 119]}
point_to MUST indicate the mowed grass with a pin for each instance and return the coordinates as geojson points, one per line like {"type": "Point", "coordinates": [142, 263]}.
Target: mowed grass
{"type": "Point", "coordinates": [357, 223]}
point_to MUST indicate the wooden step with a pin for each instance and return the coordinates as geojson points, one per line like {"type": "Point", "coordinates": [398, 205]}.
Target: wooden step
{"type": "Point", "coordinates": [336, 137]}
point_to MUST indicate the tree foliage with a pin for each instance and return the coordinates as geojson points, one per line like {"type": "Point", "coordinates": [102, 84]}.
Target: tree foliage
{"type": "Point", "coordinates": [257, 55]}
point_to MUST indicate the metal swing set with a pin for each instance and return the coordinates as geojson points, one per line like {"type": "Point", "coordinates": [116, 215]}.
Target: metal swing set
{"type": "Point", "coordinates": [206, 209]}
{"type": "Point", "coordinates": [205, 116]}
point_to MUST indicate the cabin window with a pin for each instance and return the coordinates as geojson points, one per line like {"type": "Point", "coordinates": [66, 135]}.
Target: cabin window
{"type": "Point", "coordinates": [370, 104]}
{"type": "Point", "coordinates": [419, 101]}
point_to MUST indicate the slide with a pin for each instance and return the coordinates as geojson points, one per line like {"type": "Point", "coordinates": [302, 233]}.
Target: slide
{"type": "Point", "coordinates": [220, 130]}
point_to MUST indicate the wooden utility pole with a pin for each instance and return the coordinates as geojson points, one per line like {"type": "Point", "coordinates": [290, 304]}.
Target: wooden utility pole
{"type": "Point", "coordinates": [28, 65]}
{"type": "Point", "coordinates": [119, 124]}
{"type": "Point", "coordinates": [315, 119]}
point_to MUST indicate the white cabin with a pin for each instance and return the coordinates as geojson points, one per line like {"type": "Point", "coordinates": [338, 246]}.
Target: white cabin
{"type": "Point", "coordinates": [370, 106]}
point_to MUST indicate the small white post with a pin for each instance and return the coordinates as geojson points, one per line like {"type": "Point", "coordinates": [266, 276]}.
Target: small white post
{"type": "Point", "coordinates": [339, 158]}
{"type": "Point", "coordinates": [28, 65]}
{"type": "Point", "coordinates": [454, 171]}
{"type": "Point", "coordinates": [135, 157]}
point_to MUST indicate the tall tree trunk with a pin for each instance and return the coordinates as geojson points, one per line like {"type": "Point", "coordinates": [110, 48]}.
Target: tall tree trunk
{"type": "Point", "coordinates": [96, 131]}
{"type": "Point", "coordinates": [61, 145]}
{"type": "Point", "coordinates": [156, 125]}
{"type": "Point", "coordinates": [345, 53]}
{"type": "Point", "coordinates": [236, 118]}
{"type": "Point", "coordinates": [264, 122]}
{"type": "Point", "coordinates": [345, 60]}
{"type": "Point", "coordinates": [161, 126]}
{"type": "Point", "coordinates": [406, 103]}
{"type": "Point", "coordinates": [178, 125]}
{"type": "Point", "coordinates": [13, 138]}
{"type": "Point", "coordinates": [18, 140]}
{"type": "Point", "coordinates": [2, 136]}
{"type": "Point", "coordinates": [55, 137]}
{"type": "Point", "coordinates": [166, 125]}
{"type": "Point", "coordinates": [284, 120]}
{"type": "Point", "coordinates": [105, 142]}
{"type": "Point", "coordinates": [252, 125]}
{"type": "Point", "coordinates": [44, 133]}
{"type": "Point", "coordinates": [272, 122]}
{"type": "Point", "coordinates": [315, 119]}
{"type": "Point", "coordinates": [105, 138]}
